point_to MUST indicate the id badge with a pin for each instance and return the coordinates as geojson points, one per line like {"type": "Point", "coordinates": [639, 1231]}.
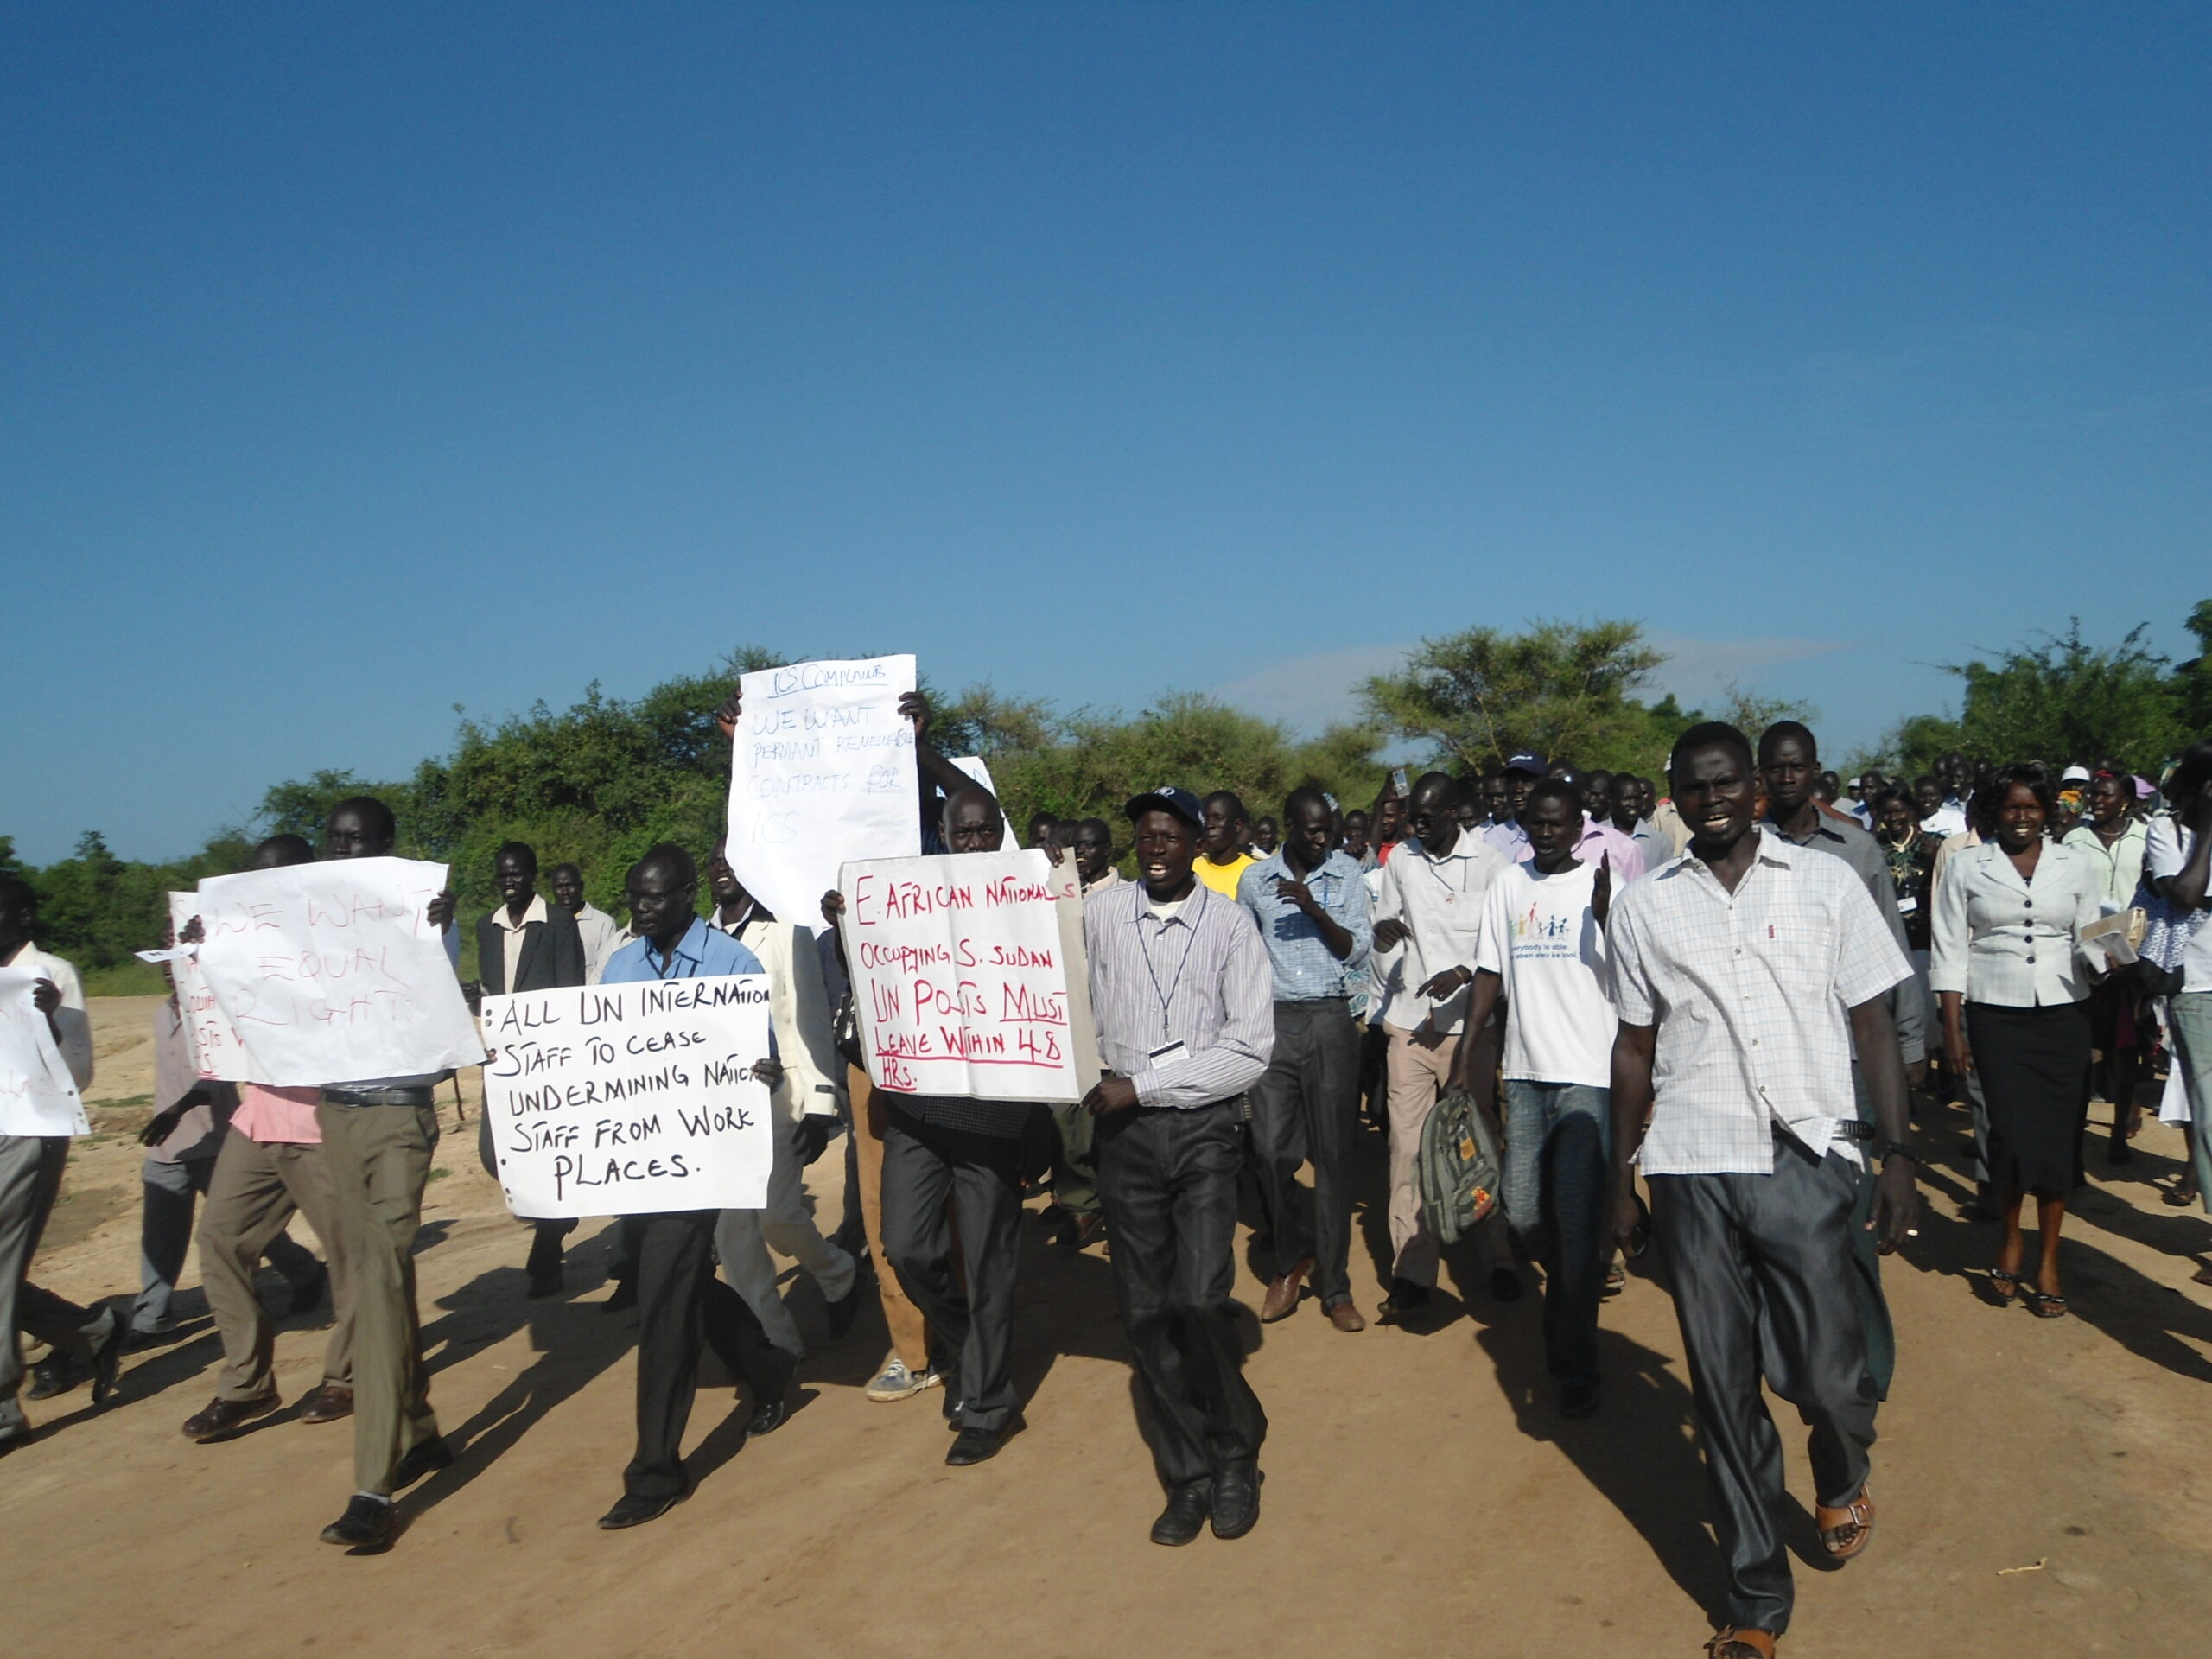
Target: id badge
{"type": "Point", "coordinates": [1169, 1055]}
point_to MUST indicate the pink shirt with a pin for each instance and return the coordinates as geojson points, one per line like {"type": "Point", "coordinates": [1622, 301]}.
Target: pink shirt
{"type": "Point", "coordinates": [281, 1114]}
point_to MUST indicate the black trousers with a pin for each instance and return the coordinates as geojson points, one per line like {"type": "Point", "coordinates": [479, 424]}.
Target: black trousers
{"type": "Point", "coordinates": [1302, 1111]}
{"type": "Point", "coordinates": [1762, 1271]}
{"type": "Point", "coordinates": [1169, 1182]}
{"type": "Point", "coordinates": [924, 1165]}
{"type": "Point", "coordinates": [681, 1307]}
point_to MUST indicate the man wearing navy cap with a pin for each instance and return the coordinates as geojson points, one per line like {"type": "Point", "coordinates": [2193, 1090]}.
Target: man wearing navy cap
{"type": "Point", "coordinates": [1183, 996]}
{"type": "Point", "coordinates": [1506, 834]}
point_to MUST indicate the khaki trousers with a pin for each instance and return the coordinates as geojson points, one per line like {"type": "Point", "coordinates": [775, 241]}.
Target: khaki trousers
{"type": "Point", "coordinates": [909, 1333]}
{"type": "Point", "coordinates": [254, 1190]}
{"type": "Point", "coordinates": [1418, 1072]}
{"type": "Point", "coordinates": [379, 1163]}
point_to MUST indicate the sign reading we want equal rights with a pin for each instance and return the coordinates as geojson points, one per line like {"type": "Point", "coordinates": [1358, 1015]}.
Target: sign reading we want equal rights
{"type": "Point", "coordinates": [967, 975]}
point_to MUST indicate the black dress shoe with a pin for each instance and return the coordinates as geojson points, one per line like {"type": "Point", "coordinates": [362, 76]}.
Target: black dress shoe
{"type": "Point", "coordinates": [843, 1311]}
{"type": "Point", "coordinates": [771, 1402]}
{"type": "Point", "coordinates": [1406, 1301]}
{"type": "Point", "coordinates": [973, 1445]}
{"type": "Point", "coordinates": [1237, 1499]}
{"type": "Point", "coordinates": [55, 1374]}
{"type": "Point", "coordinates": [1184, 1517]}
{"type": "Point", "coordinates": [369, 1523]}
{"type": "Point", "coordinates": [107, 1358]}
{"type": "Point", "coordinates": [624, 1298]}
{"type": "Point", "coordinates": [424, 1457]}
{"type": "Point", "coordinates": [1505, 1284]}
{"type": "Point", "coordinates": [305, 1299]}
{"type": "Point", "coordinates": [222, 1418]}
{"type": "Point", "coordinates": [630, 1511]}
{"type": "Point", "coordinates": [546, 1281]}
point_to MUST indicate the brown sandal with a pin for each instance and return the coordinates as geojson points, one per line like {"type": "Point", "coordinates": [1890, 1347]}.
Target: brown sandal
{"type": "Point", "coordinates": [1729, 1643]}
{"type": "Point", "coordinates": [1851, 1532]}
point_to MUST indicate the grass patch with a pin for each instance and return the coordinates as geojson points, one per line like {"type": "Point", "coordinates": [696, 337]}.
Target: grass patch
{"type": "Point", "coordinates": [129, 977]}
{"type": "Point", "coordinates": [440, 1174]}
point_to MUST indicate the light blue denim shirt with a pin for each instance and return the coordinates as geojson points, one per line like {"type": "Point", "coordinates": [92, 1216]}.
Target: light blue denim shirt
{"type": "Point", "coordinates": [1304, 969]}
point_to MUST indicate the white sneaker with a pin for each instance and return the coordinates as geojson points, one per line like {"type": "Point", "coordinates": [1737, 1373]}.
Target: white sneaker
{"type": "Point", "coordinates": [895, 1382]}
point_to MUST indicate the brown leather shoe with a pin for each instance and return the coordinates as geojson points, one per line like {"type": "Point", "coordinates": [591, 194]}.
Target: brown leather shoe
{"type": "Point", "coordinates": [329, 1403]}
{"type": "Point", "coordinates": [1345, 1316]}
{"type": "Point", "coordinates": [1283, 1295]}
{"type": "Point", "coordinates": [225, 1417]}
{"type": "Point", "coordinates": [1083, 1232]}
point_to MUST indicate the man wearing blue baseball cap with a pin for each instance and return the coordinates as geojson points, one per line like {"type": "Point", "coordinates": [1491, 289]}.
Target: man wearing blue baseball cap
{"type": "Point", "coordinates": [1183, 992]}
{"type": "Point", "coordinates": [1506, 834]}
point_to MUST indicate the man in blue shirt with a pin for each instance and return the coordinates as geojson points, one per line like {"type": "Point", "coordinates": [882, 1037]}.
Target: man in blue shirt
{"type": "Point", "coordinates": [682, 1303]}
{"type": "Point", "coordinates": [1310, 905]}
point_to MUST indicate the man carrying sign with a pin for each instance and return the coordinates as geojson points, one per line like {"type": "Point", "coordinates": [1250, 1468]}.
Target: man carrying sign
{"type": "Point", "coordinates": [378, 1137]}
{"type": "Point", "coordinates": [953, 1147]}
{"type": "Point", "coordinates": [682, 1305]}
{"type": "Point", "coordinates": [30, 1175]}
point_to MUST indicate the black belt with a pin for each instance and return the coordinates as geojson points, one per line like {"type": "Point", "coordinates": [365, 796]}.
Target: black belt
{"type": "Point", "coordinates": [411, 1096]}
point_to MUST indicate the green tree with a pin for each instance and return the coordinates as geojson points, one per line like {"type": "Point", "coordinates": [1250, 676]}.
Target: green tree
{"type": "Point", "coordinates": [1561, 689]}
{"type": "Point", "coordinates": [2193, 679]}
{"type": "Point", "coordinates": [2064, 700]}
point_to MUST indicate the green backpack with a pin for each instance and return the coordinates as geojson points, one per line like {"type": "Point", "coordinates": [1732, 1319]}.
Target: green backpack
{"type": "Point", "coordinates": [1459, 1168]}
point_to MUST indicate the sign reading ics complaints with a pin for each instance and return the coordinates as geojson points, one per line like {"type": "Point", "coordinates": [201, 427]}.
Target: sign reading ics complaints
{"type": "Point", "coordinates": [960, 975]}
{"type": "Point", "coordinates": [619, 1100]}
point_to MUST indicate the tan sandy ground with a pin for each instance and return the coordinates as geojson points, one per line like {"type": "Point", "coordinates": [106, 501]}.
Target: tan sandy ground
{"type": "Point", "coordinates": [1423, 1498]}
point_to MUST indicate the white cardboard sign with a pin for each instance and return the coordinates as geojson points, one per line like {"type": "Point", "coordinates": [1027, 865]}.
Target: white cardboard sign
{"type": "Point", "coordinates": [218, 1051]}
{"type": "Point", "coordinates": [821, 772]}
{"type": "Point", "coordinates": [631, 1099]}
{"type": "Point", "coordinates": [331, 973]}
{"type": "Point", "coordinates": [37, 1094]}
{"type": "Point", "coordinates": [960, 975]}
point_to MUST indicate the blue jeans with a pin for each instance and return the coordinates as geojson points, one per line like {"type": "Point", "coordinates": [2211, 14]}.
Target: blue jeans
{"type": "Point", "coordinates": [1558, 1142]}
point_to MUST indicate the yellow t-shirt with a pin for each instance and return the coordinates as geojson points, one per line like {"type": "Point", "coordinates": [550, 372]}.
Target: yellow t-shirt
{"type": "Point", "coordinates": [1222, 878]}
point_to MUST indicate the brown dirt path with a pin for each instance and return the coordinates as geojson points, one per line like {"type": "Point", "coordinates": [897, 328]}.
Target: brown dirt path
{"type": "Point", "coordinates": [1422, 1495]}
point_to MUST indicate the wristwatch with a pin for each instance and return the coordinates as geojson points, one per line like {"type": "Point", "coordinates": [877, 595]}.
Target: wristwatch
{"type": "Point", "coordinates": [1899, 1150]}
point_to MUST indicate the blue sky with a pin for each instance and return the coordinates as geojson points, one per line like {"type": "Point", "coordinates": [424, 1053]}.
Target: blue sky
{"type": "Point", "coordinates": [360, 361]}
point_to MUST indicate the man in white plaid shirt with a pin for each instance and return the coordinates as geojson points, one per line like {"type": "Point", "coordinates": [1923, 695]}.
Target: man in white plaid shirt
{"type": "Point", "coordinates": [1743, 972]}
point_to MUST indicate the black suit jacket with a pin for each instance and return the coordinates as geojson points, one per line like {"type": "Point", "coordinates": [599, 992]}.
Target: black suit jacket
{"type": "Point", "coordinates": [552, 954]}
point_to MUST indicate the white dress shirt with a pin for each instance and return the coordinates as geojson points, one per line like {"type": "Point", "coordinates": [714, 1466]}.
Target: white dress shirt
{"type": "Point", "coordinates": [799, 1011]}
{"type": "Point", "coordinates": [1440, 899]}
{"type": "Point", "coordinates": [1995, 938]}
{"type": "Point", "coordinates": [72, 1024]}
{"type": "Point", "coordinates": [602, 936]}
{"type": "Point", "coordinates": [510, 946]}
{"type": "Point", "coordinates": [1750, 991]}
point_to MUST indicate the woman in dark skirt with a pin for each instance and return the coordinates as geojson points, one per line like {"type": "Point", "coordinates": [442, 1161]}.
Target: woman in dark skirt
{"type": "Point", "coordinates": [2006, 966]}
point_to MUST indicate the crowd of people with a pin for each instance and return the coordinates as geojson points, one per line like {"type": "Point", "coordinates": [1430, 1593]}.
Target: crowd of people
{"type": "Point", "coordinates": [1692, 1020]}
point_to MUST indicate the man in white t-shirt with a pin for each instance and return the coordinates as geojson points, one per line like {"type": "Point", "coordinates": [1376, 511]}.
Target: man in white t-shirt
{"type": "Point", "coordinates": [1543, 951]}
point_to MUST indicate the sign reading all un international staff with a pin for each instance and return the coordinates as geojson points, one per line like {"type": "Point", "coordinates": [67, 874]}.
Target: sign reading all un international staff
{"type": "Point", "coordinates": [821, 772]}
{"type": "Point", "coordinates": [636, 1099]}
{"type": "Point", "coordinates": [961, 977]}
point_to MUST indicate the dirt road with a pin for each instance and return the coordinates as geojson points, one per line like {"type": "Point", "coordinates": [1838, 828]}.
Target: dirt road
{"type": "Point", "coordinates": [1423, 1497]}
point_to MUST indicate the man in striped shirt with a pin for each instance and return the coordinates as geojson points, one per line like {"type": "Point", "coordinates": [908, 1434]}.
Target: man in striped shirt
{"type": "Point", "coordinates": [1183, 994]}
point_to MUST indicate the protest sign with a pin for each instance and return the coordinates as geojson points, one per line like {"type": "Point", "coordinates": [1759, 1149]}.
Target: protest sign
{"type": "Point", "coordinates": [331, 973]}
{"type": "Point", "coordinates": [218, 1051]}
{"type": "Point", "coordinates": [961, 977]}
{"type": "Point", "coordinates": [37, 1094]}
{"type": "Point", "coordinates": [635, 1099]}
{"type": "Point", "coordinates": [821, 772]}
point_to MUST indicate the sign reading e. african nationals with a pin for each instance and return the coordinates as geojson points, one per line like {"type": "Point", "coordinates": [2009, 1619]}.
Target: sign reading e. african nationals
{"type": "Point", "coordinates": [960, 975]}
